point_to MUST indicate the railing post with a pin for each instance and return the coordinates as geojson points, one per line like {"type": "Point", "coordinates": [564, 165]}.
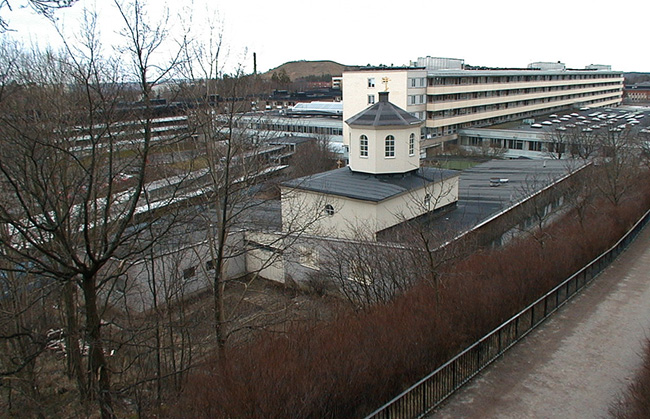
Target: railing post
{"type": "Point", "coordinates": [517, 328]}
{"type": "Point", "coordinates": [499, 345]}
{"type": "Point", "coordinates": [453, 375]}
{"type": "Point", "coordinates": [545, 307]}
{"type": "Point", "coordinates": [532, 316]}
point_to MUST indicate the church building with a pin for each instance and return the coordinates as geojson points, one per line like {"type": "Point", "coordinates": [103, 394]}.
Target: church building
{"type": "Point", "coordinates": [382, 186]}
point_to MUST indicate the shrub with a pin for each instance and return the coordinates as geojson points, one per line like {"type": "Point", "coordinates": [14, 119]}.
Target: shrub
{"type": "Point", "coordinates": [356, 362]}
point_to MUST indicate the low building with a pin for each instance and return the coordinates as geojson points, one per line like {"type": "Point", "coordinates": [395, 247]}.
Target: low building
{"type": "Point", "coordinates": [546, 66]}
{"type": "Point", "coordinates": [561, 135]}
{"type": "Point", "coordinates": [637, 93]}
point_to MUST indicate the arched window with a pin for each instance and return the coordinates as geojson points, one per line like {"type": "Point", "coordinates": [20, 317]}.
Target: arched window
{"type": "Point", "coordinates": [363, 146]}
{"type": "Point", "coordinates": [329, 210]}
{"type": "Point", "coordinates": [411, 144]}
{"type": "Point", "coordinates": [390, 146]}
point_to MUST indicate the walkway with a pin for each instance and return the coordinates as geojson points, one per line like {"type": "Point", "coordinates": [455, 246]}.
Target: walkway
{"type": "Point", "coordinates": [576, 364]}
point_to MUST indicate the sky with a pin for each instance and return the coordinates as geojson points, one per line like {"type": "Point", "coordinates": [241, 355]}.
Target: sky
{"type": "Point", "coordinates": [494, 33]}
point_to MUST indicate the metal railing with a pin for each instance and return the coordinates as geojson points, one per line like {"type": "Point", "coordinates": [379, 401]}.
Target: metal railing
{"type": "Point", "coordinates": [425, 395]}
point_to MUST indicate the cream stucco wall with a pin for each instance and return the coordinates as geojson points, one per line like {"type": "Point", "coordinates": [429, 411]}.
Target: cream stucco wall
{"type": "Point", "coordinates": [358, 219]}
{"type": "Point", "coordinates": [376, 161]}
{"type": "Point", "coordinates": [413, 204]}
{"type": "Point", "coordinates": [264, 255]}
{"type": "Point", "coordinates": [356, 91]}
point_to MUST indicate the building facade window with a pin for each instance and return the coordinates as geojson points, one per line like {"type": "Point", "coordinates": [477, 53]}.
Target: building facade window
{"type": "Point", "coordinates": [189, 272]}
{"type": "Point", "coordinates": [360, 272]}
{"type": "Point", "coordinates": [363, 146]}
{"type": "Point", "coordinates": [475, 141]}
{"type": "Point", "coordinates": [390, 146]}
{"type": "Point", "coordinates": [371, 99]}
{"type": "Point", "coordinates": [515, 144]}
{"type": "Point", "coordinates": [416, 99]}
{"type": "Point", "coordinates": [419, 115]}
{"type": "Point", "coordinates": [308, 257]}
{"type": "Point", "coordinates": [371, 82]}
{"type": "Point", "coordinates": [412, 144]}
{"type": "Point", "coordinates": [329, 210]}
{"type": "Point", "coordinates": [427, 201]}
{"type": "Point", "coordinates": [417, 82]}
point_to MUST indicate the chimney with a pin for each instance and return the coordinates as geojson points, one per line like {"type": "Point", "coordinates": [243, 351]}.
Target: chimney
{"type": "Point", "coordinates": [383, 96]}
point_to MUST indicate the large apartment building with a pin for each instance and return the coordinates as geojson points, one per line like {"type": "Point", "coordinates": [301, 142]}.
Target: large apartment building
{"type": "Point", "coordinates": [449, 99]}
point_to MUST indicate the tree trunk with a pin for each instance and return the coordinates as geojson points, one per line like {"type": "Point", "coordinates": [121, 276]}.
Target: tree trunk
{"type": "Point", "coordinates": [219, 311]}
{"type": "Point", "coordinates": [74, 366]}
{"type": "Point", "coordinates": [97, 365]}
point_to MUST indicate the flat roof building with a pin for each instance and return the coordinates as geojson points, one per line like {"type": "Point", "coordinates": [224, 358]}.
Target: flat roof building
{"type": "Point", "coordinates": [561, 135]}
{"type": "Point", "coordinates": [451, 99]}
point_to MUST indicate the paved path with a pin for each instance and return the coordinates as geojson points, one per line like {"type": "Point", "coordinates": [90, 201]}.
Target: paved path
{"type": "Point", "coordinates": [576, 364]}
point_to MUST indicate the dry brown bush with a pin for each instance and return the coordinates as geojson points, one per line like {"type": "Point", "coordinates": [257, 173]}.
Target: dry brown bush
{"type": "Point", "coordinates": [351, 365]}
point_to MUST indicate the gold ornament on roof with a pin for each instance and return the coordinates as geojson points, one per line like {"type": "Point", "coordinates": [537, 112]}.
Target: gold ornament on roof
{"type": "Point", "coordinates": [385, 80]}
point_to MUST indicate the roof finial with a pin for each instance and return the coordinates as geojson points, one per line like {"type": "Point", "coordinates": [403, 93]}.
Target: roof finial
{"type": "Point", "coordinates": [385, 80]}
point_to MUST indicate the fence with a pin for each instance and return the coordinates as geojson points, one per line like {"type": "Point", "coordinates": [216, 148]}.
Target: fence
{"type": "Point", "coordinates": [424, 396]}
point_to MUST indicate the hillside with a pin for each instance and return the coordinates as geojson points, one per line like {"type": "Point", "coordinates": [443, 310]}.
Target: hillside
{"type": "Point", "coordinates": [636, 77]}
{"type": "Point", "coordinates": [300, 69]}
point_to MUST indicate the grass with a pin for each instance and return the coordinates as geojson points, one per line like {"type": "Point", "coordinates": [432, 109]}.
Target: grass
{"type": "Point", "coordinates": [454, 163]}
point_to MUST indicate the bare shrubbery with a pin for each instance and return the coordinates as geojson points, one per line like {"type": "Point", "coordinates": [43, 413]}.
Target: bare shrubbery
{"type": "Point", "coordinates": [351, 365]}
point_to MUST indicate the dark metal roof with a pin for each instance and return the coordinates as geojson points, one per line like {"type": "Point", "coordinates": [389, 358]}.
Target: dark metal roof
{"type": "Point", "coordinates": [368, 187]}
{"type": "Point", "coordinates": [383, 113]}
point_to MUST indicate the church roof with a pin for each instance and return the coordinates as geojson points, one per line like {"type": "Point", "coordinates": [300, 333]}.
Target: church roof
{"type": "Point", "coordinates": [383, 113]}
{"type": "Point", "coordinates": [369, 187]}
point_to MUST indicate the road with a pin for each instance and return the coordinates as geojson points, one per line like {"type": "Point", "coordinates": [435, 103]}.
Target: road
{"type": "Point", "coordinates": [578, 362]}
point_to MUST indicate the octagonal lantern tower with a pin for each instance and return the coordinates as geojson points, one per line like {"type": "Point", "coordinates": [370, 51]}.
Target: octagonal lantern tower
{"type": "Point", "coordinates": [384, 139]}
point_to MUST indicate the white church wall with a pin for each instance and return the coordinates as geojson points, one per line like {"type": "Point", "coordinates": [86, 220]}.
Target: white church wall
{"type": "Point", "coordinates": [177, 274]}
{"type": "Point", "coordinates": [264, 255]}
{"type": "Point", "coordinates": [415, 203]}
{"type": "Point", "coordinates": [376, 161]}
{"type": "Point", "coordinates": [357, 219]}
{"type": "Point", "coordinates": [343, 218]}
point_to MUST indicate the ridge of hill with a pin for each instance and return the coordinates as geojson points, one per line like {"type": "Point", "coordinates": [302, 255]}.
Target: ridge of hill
{"type": "Point", "coordinates": [301, 69]}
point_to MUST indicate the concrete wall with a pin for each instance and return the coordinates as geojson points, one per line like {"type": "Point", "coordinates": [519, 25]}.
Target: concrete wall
{"type": "Point", "coordinates": [376, 161]}
{"type": "Point", "coordinates": [353, 218]}
{"type": "Point", "coordinates": [175, 274]}
{"type": "Point", "coordinates": [264, 255]}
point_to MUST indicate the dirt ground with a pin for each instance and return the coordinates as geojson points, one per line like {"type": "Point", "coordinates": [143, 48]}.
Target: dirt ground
{"type": "Point", "coordinates": [579, 361]}
{"type": "Point", "coordinates": [259, 305]}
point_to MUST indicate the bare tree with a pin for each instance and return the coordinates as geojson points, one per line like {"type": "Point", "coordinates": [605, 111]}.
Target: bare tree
{"type": "Point", "coordinates": [577, 142]}
{"type": "Point", "coordinates": [43, 7]}
{"type": "Point", "coordinates": [239, 205]}
{"type": "Point", "coordinates": [620, 164]}
{"type": "Point", "coordinates": [368, 272]}
{"type": "Point", "coordinates": [314, 156]}
{"type": "Point", "coordinates": [68, 144]}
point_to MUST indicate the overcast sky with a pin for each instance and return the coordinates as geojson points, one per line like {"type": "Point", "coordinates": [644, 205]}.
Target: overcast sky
{"type": "Point", "coordinates": [497, 33]}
